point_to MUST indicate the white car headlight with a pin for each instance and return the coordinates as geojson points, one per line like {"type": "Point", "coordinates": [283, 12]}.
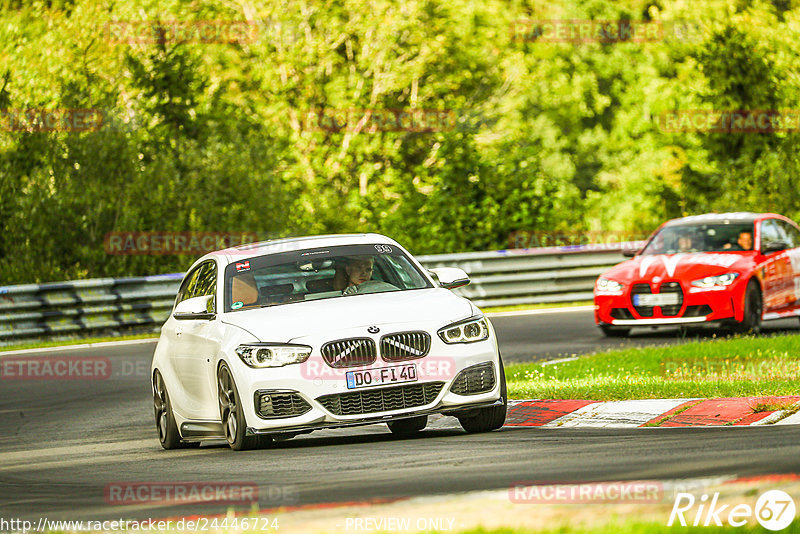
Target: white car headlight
{"type": "Point", "coordinates": [468, 331]}
{"type": "Point", "coordinates": [715, 281]}
{"type": "Point", "coordinates": [604, 284]}
{"type": "Point", "coordinates": [272, 354]}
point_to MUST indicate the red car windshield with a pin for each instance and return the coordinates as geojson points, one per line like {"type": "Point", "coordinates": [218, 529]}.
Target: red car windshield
{"type": "Point", "coordinates": [729, 237]}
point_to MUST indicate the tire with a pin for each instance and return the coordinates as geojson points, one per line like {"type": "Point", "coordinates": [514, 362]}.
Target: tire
{"type": "Point", "coordinates": [492, 417]}
{"type": "Point", "coordinates": [408, 427]}
{"type": "Point", "coordinates": [611, 331]}
{"type": "Point", "coordinates": [753, 308]}
{"type": "Point", "coordinates": [165, 420]}
{"type": "Point", "coordinates": [232, 414]}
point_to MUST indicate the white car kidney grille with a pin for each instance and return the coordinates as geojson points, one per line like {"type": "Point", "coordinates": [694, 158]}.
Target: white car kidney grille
{"type": "Point", "coordinates": [381, 400]}
{"type": "Point", "coordinates": [350, 352]}
{"type": "Point", "coordinates": [474, 380]}
{"type": "Point", "coordinates": [405, 346]}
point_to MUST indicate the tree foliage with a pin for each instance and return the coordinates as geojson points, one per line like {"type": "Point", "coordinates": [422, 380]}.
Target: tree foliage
{"type": "Point", "coordinates": [544, 136]}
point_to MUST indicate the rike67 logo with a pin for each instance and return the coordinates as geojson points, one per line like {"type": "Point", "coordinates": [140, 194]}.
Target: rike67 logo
{"type": "Point", "coordinates": [774, 510]}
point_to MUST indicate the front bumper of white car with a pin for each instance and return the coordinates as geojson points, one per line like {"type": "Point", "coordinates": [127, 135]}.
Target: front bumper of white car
{"type": "Point", "coordinates": [303, 397]}
{"type": "Point", "coordinates": [369, 419]}
{"type": "Point", "coordinates": [328, 405]}
{"type": "Point", "coordinates": [450, 378]}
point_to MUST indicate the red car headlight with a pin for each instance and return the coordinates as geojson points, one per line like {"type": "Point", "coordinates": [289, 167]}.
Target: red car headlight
{"type": "Point", "coordinates": [721, 280]}
{"type": "Point", "coordinates": [604, 284]}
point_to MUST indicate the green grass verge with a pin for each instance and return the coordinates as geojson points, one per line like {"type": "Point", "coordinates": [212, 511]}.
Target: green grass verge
{"type": "Point", "coordinates": [734, 367]}
{"type": "Point", "coordinates": [519, 307]}
{"type": "Point", "coordinates": [76, 341]}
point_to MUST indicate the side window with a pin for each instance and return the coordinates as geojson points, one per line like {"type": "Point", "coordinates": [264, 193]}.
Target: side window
{"type": "Point", "coordinates": [187, 285]}
{"type": "Point", "coordinates": [200, 282]}
{"type": "Point", "coordinates": [791, 234]}
{"type": "Point", "coordinates": [206, 283]}
{"type": "Point", "coordinates": [769, 232]}
{"type": "Point", "coordinates": [206, 280]}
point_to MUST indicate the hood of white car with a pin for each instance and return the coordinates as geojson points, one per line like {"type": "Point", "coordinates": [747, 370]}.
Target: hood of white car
{"type": "Point", "coordinates": [286, 322]}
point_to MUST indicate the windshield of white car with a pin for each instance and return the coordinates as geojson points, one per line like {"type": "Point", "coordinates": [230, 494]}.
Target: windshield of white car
{"type": "Point", "coordinates": [333, 272]}
{"type": "Point", "coordinates": [732, 237]}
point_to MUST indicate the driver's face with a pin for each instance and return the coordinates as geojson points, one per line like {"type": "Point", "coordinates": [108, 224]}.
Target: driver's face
{"type": "Point", "coordinates": [359, 271]}
{"type": "Point", "coordinates": [745, 240]}
{"type": "Point", "coordinates": [684, 243]}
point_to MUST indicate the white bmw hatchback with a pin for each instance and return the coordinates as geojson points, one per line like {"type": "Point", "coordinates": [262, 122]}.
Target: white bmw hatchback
{"type": "Point", "coordinates": [273, 339]}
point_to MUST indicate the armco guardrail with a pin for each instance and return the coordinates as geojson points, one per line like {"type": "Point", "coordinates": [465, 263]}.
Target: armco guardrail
{"type": "Point", "coordinates": [534, 275]}
{"type": "Point", "coordinates": [505, 277]}
{"type": "Point", "coordinates": [61, 309]}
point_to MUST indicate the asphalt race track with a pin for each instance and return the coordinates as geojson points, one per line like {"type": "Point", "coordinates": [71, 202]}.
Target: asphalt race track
{"type": "Point", "coordinates": [64, 442]}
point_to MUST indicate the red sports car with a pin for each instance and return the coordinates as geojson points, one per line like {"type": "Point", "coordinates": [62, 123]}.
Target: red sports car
{"type": "Point", "coordinates": [731, 268]}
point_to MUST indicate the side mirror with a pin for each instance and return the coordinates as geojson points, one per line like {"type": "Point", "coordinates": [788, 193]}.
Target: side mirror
{"type": "Point", "coordinates": [629, 252]}
{"type": "Point", "coordinates": [195, 308]}
{"type": "Point", "coordinates": [775, 246]}
{"type": "Point", "coordinates": [450, 277]}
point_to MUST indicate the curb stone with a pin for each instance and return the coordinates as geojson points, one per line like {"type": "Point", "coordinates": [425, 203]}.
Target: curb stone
{"type": "Point", "coordinates": [652, 412]}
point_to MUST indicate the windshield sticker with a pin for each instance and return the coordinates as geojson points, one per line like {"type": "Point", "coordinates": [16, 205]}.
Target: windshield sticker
{"type": "Point", "coordinates": [243, 266]}
{"type": "Point", "coordinates": [236, 305]}
{"type": "Point", "coordinates": [383, 249]}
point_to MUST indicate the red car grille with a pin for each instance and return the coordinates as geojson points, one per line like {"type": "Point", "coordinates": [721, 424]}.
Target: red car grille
{"type": "Point", "coordinates": [666, 287]}
{"type": "Point", "coordinates": [639, 289]}
{"type": "Point", "coordinates": [672, 287]}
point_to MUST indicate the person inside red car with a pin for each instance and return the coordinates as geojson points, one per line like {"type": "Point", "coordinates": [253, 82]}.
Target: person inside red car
{"type": "Point", "coordinates": [745, 242]}
{"type": "Point", "coordinates": [685, 243]}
